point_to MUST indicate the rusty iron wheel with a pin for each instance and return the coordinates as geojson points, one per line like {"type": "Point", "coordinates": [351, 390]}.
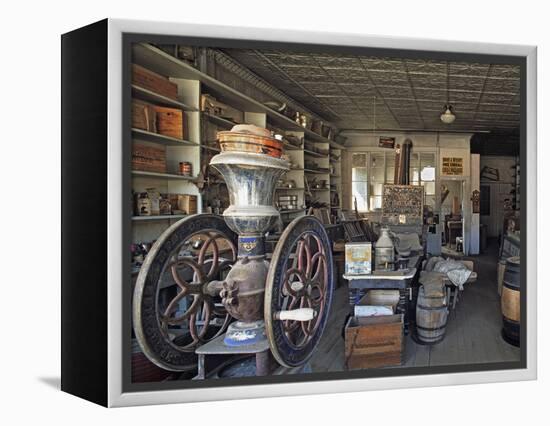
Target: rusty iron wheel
{"type": "Point", "coordinates": [300, 276]}
{"type": "Point", "coordinates": [170, 324]}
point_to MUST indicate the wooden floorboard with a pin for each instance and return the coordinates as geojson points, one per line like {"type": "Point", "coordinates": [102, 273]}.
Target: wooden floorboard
{"type": "Point", "coordinates": [473, 328]}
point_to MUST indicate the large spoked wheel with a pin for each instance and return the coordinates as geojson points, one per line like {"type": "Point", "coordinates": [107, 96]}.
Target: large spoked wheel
{"type": "Point", "coordinates": [300, 276]}
{"type": "Point", "coordinates": [173, 313]}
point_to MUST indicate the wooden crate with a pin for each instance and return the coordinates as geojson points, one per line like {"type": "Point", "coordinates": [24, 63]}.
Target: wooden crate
{"type": "Point", "coordinates": [148, 159]}
{"type": "Point", "coordinates": [144, 116]}
{"type": "Point", "coordinates": [154, 82]}
{"type": "Point", "coordinates": [170, 122]}
{"type": "Point", "coordinates": [373, 342]}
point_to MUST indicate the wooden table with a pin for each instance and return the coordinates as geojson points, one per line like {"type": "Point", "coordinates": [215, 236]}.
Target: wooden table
{"type": "Point", "coordinates": [401, 280]}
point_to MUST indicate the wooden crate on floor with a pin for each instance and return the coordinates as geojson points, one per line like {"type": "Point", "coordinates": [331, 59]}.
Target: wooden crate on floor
{"type": "Point", "coordinates": [154, 82]}
{"type": "Point", "coordinates": [373, 342]}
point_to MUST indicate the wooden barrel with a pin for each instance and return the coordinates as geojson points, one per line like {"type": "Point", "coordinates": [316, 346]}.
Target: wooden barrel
{"type": "Point", "coordinates": [431, 317]}
{"type": "Point", "coordinates": [510, 301]}
{"type": "Point", "coordinates": [501, 266]}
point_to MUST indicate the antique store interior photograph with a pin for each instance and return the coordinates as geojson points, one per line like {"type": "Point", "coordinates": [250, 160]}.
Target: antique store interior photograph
{"type": "Point", "coordinates": [299, 211]}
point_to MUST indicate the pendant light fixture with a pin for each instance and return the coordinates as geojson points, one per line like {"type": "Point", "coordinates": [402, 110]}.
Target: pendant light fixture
{"type": "Point", "coordinates": [448, 116]}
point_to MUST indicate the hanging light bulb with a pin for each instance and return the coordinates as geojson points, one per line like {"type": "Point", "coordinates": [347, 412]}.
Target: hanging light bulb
{"type": "Point", "coordinates": [448, 117]}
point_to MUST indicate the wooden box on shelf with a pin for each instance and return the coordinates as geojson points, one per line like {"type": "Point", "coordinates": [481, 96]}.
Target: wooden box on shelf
{"type": "Point", "coordinates": [373, 342]}
{"type": "Point", "coordinates": [148, 158]}
{"type": "Point", "coordinates": [170, 122]}
{"type": "Point", "coordinates": [187, 203]}
{"type": "Point", "coordinates": [144, 116]}
{"type": "Point", "coordinates": [154, 82]}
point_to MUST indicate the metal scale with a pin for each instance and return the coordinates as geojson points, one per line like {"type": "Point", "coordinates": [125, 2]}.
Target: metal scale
{"type": "Point", "coordinates": [206, 287]}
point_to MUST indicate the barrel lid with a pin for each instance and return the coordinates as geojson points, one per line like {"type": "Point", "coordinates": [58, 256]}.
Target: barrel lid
{"type": "Point", "coordinates": [514, 260]}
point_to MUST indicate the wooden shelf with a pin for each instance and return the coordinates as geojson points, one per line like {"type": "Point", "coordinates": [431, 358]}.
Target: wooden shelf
{"type": "Point", "coordinates": [319, 172]}
{"type": "Point", "coordinates": [164, 176]}
{"type": "Point", "coordinates": [158, 99]}
{"type": "Point", "coordinates": [291, 211]}
{"type": "Point", "coordinates": [319, 189]}
{"type": "Point", "coordinates": [318, 138]}
{"type": "Point", "coordinates": [282, 188]}
{"type": "Point", "coordinates": [219, 120]}
{"type": "Point", "coordinates": [315, 154]}
{"type": "Point", "coordinates": [288, 146]}
{"type": "Point", "coordinates": [210, 148]}
{"type": "Point", "coordinates": [146, 136]}
{"type": "Point", "coordinates": [163, 217]}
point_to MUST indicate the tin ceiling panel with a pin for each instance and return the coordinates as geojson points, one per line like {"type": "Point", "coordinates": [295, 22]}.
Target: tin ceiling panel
{"type": "Point", "coordinates": [409, 94]}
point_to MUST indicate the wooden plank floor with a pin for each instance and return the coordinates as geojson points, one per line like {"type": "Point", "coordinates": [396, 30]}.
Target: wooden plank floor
{"type": "Point", "coordinates": [473, 328]}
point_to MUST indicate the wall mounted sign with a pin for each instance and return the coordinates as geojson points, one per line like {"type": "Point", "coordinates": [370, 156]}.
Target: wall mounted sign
{"type": "Point", "coordinates": [402, 204]}
{"type": "Point", "coordinates": [452, 166]}
{"type": "Point", "coordinates": [386, 142]}
{"type": "Point", "coordinates": [490, 173]}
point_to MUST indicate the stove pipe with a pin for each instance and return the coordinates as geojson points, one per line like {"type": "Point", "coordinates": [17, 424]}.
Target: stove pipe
{"type": "Point", "coordinates": [405, 162]}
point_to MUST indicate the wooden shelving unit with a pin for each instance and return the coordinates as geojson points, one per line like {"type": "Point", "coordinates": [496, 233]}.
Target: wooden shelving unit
{"type": "Point", "coordinates": [148, 228]}
{"type": "Point", "coordinates": [191, 84]}
{"type": "Point", "coordinates": [336, 179]}
{"type": "Point", "coordinates": [155, 59]}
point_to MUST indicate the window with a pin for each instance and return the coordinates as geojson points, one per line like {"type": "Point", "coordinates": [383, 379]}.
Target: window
{"type": "Point", "coordinates": [427, 178]}
{"type": "Point", "coordinates": [370, 171]}
{"type": "Point", "coordinates": [359, 181]}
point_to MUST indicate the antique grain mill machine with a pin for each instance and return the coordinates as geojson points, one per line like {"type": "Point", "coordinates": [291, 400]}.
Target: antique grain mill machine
{"type": "Point", "coordinates": [208, 288]}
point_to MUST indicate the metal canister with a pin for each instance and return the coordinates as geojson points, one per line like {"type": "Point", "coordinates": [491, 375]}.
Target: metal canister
{"type": "Point", "coordinates": [186, 168]}
{"type": "Point", "coordinates": [384, 252]}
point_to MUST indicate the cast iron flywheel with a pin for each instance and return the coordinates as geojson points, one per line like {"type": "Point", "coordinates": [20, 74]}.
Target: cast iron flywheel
{"type": "Point", "coordinates": [173, 313]}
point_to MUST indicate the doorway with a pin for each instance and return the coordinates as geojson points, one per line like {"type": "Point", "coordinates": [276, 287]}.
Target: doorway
{"type": "Point", "coordinates": [452, 214]}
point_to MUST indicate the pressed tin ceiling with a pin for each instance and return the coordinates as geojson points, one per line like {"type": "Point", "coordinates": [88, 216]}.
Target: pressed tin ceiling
{"type": "Point", "coordinates": [363, 92]}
